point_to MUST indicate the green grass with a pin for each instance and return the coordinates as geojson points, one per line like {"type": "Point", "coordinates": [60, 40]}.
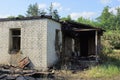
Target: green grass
{"type": "Point", "coordinates": [110, 66]}
{"type": "Point", "coordinates": [103, 71]}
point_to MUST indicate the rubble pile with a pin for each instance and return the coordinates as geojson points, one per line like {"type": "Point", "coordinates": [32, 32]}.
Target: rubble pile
{"type": "Point", "coordinates": [16, 73]}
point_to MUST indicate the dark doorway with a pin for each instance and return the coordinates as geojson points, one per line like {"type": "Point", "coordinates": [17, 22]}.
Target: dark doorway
{"type": "Point", "coordinates": [84, 47]}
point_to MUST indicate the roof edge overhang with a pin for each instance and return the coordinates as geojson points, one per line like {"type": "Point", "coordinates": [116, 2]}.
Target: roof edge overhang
{"type": "Point", "coordinates": [28, 18]}
{"type": "Point", "coordinates": [72, 26]}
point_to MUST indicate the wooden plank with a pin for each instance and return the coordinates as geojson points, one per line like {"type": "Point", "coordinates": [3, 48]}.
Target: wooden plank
{"type": "Point", "coordinates": [85, 30]}
{"type": "Point", "coordinates": [96, 44]}
{"type": "Point", "coordinates": [25, 61]}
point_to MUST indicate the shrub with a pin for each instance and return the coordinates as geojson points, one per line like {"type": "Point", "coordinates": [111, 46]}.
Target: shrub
{"type": "Point", "coordinates": [106, 46]}
{"type": "Point", "coordinates": [110, 41]}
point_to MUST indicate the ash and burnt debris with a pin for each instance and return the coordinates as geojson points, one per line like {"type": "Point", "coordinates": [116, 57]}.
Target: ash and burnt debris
{"type": "Point", "coordinates": [17, 73]}
{"type": "Point", "coordinates": [22, 71]}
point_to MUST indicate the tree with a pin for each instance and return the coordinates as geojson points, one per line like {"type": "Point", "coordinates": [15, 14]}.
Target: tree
{"type": "Point", "coordinates": [33, 10]}
{"type": "Point", "coordinates": [51, 9]}
{"type": "Point", "coordinates": [42, 12]}
{"type": "Point", "coordinates": [110, 22]}
{"type": "Point", "coordinates": [88, 21]}
{"type": "Point", "coordinates": [20, 16]}
{"type": "Point", "coordinates": [11, 17]}
{"type": "Point", "coordinates": [68, 18]}
{"type": "Point", "coordinates": [55, 15]}
{"type": "Point", "coordinates": [53, 12]}
{"type": "Point", "coordinates": [117, 20]}
{"type": "Point", "coordinates": [106, 19]}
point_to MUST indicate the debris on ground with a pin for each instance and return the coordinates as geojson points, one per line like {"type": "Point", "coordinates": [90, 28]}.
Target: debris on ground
{"type": "Point", "coordinates": [25, 61]}
{"type": "Point", "coordinates": [16, 73]}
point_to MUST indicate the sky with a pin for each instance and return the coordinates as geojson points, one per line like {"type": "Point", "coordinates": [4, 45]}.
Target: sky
{"type": "Point", "coordinates": [89, 9]}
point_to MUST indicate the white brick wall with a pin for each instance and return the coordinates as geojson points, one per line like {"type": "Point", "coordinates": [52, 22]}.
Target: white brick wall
{"type": "Point", "coordinates": [51, 31]}
{"type": "Point", "coordinates": [4, 56]}
{"type": "Point", "coordinates": [33, 40]}
{"type": "Point", "coordinates": [37, 41]}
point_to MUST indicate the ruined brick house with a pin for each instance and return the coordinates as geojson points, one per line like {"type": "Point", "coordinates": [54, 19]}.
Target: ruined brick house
{"type": "Point", "coordinates": [42, 39]}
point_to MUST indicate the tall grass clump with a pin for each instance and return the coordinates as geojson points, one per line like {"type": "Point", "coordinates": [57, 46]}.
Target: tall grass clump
{"type": "Point", "coordinates": [103, 71]}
